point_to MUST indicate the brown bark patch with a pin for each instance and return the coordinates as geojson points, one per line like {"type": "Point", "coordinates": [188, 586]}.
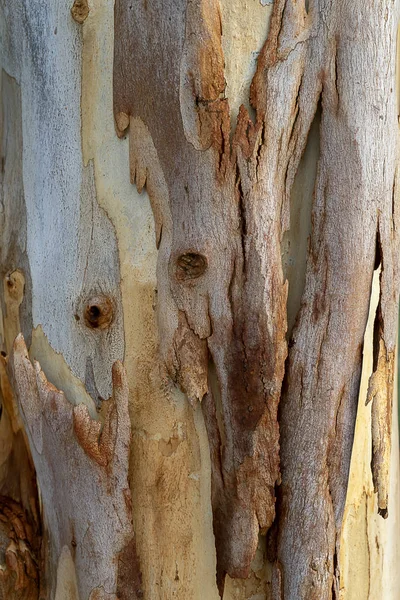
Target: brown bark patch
{"type": "Point", "coordinates": [129, 583]}
{"type": "Point", "coordinates": [19, 553]}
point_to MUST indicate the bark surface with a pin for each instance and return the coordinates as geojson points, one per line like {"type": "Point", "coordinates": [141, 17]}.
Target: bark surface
{"type": "Point", "coordinates": [240, 481]}
{"type": "Point", "coordinates": [221, 203]}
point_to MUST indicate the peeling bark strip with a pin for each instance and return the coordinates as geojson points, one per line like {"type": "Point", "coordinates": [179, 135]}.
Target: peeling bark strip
{"type": "Point", "coordinates": [220, 286]}
{"type": "Point", "coordinates": [82, 470]}
{"type": "Point", "coordinates": [220, 211]}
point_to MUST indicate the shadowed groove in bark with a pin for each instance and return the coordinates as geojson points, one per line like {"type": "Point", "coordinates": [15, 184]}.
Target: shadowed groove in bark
{"type": "Point", "coordinates": [296, 240]}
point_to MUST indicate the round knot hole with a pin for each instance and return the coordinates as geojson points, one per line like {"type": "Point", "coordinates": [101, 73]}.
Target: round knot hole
{"type": "Point", "coordinates": [99, 312]}
{"type": "Point", "coordinates": [190, 266]}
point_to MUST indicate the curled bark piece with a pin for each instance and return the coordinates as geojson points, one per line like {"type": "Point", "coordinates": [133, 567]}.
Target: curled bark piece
{"type": "Point", "coordinates": [99, 441]}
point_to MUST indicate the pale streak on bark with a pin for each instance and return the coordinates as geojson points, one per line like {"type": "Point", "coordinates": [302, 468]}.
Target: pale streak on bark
{"type": "Point", "coordinates": [67, 585]}
{"type": "Point", "coordinates": [369, 552]}
{"type": "Point", "coordinates": [241, 47]}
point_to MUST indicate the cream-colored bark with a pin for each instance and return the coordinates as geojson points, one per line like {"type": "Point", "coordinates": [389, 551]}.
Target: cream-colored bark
{"type": "Point", "coordinates": [370, 546]}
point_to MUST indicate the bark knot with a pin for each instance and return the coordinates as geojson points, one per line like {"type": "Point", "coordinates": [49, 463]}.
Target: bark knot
{"type": "Point", "coordinates": [98, 312]}
{"type": "Point", "coordinates": [190, 266]}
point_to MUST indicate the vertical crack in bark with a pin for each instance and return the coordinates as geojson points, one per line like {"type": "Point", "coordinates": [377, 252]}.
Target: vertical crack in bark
{"type": "Point", "coordinates": [380, 387]}
{"type": "Point", "coordinates": [335, 66]}
{"type": "Point", "coordinates": [296, 240]}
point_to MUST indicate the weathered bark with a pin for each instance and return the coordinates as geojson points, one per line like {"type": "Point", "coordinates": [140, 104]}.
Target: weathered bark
{"type": "Point", "coordinates": [220, 282]}
{"type": "Point", "coordinates": [269, 360]}
{"type": "Point", "coordinates": [355, 186]}
{"type": "Point", "coordinates": [232, 292]}
{"type": "Point", "coordinates": [82, 466]}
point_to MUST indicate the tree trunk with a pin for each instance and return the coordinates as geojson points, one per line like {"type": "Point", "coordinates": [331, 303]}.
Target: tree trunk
{"type": "Point", "coordinates": [199, 252]}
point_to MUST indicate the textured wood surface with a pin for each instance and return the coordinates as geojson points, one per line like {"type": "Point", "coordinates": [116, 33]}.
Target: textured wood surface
{"type": "Point", "coordinates": [82, 466]}
{"type": "Point", "coordinates": [221, 203]}
{"type": "Point", "coordinates": [77, 261]}
{"type": "Point", "coordinates": [229, 296]}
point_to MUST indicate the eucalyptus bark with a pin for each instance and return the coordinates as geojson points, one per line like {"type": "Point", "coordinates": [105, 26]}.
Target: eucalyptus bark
{"type": "Point", "coordinates": [184, 398]}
